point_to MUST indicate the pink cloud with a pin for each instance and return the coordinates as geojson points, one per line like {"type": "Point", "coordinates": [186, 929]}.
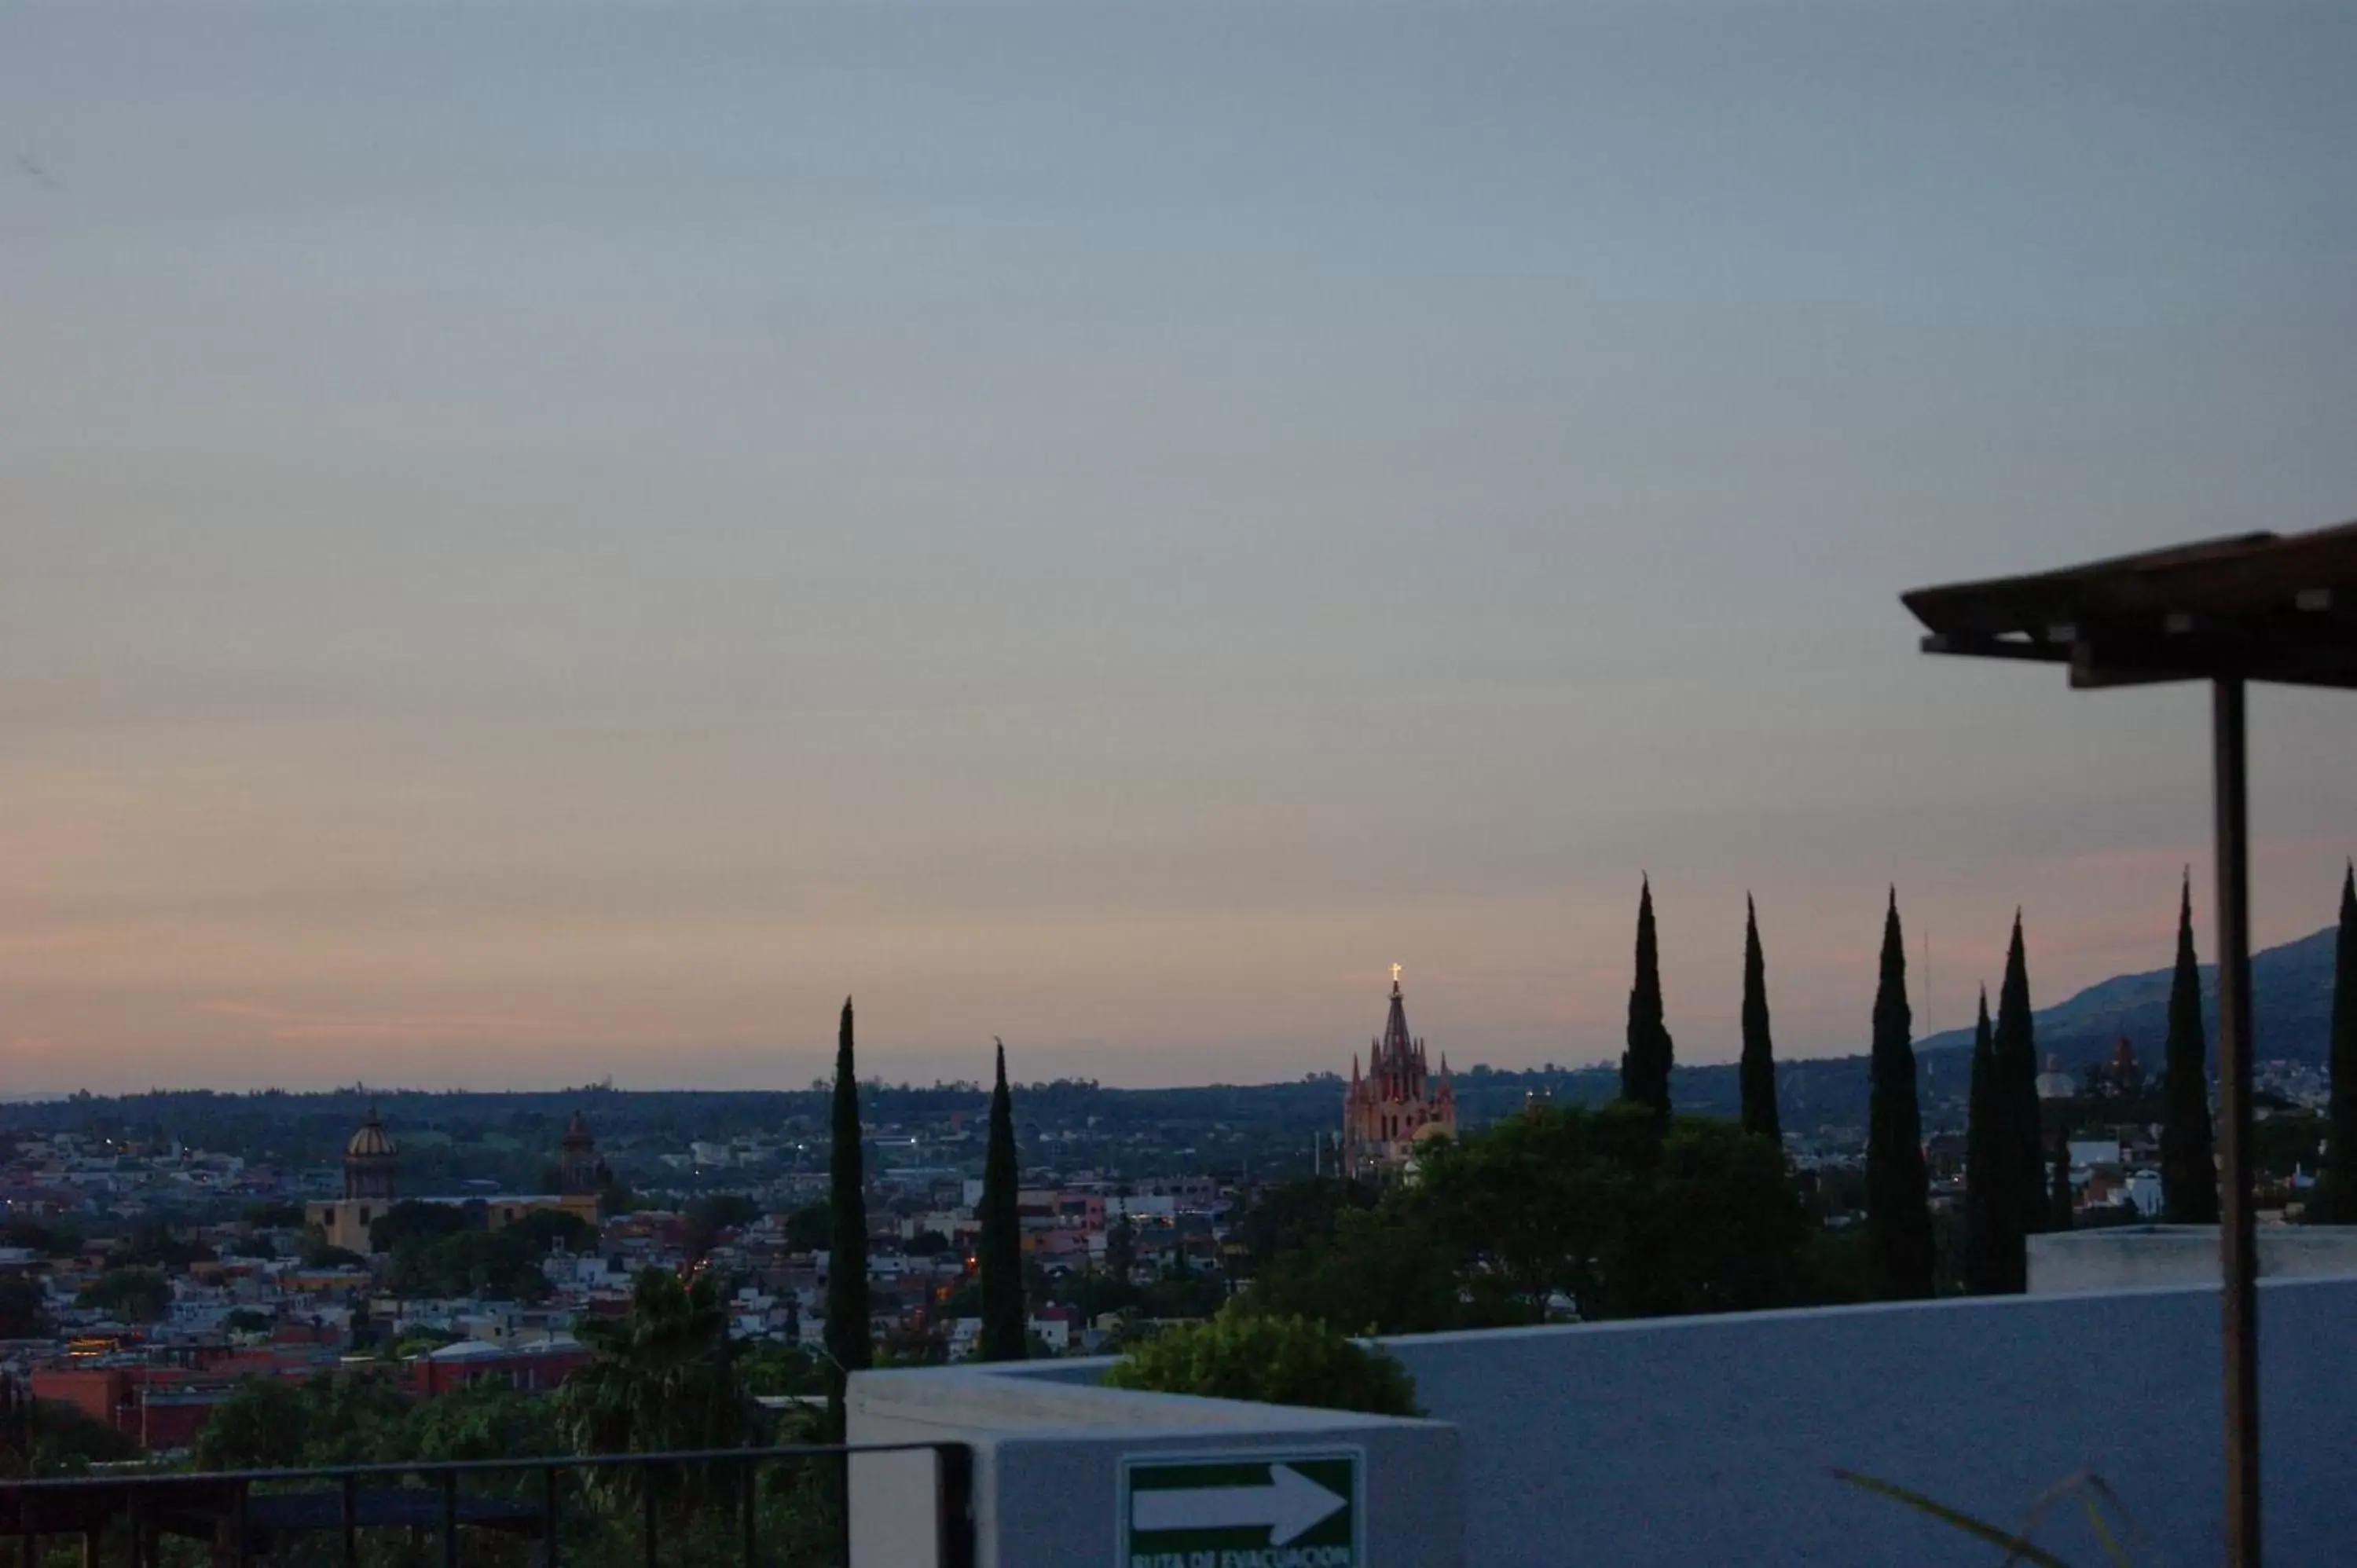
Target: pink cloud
{"type": "Point", "coordinates": [295, 1027]}
{"type": "Point", "coordinates": [224, 1008]}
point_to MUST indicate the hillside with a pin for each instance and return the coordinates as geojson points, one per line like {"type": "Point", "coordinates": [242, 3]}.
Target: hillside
{"type": "Point", "coordinates": [2291, 1004]}
{"type": "Point", "coordinates": [507, 1137]}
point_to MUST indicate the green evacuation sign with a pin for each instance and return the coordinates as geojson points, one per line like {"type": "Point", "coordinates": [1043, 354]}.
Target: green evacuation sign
{"type": "Point", "coordinates": [1230, 1511]}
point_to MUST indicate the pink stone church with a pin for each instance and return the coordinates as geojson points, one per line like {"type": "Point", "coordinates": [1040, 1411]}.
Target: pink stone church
{"type": "Point", "coordinates": [1396, 1103]}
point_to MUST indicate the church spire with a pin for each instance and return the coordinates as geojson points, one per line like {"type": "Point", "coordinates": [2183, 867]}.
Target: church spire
{"type": "Point", "coordinates": [1396, 1044]}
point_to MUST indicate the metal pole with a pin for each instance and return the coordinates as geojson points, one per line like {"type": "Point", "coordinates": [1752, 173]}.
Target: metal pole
{"type": "Point", "coordinates": [548, 1509]}
{"type": "Point", "coordinates": [2237, 1244]}
{"type": "Point", "coordinates": [745, 1502]}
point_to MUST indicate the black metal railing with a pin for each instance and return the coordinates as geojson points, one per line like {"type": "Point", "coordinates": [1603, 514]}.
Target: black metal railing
{"type": "Point", "coordinates": [245, 1515]}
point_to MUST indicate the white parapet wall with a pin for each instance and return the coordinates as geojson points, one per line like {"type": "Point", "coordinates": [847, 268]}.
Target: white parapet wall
{"type": "Point", "coordinates": [2134, 1257]}
{"type": "Point", "coordinates": [1078, 1477]}
{"type": "Point", "coordinates": [1673, 1442]}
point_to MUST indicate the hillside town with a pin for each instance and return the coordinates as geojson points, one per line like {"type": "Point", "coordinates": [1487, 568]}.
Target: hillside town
{"type": "Point", "coordinates": [148, 1329]}
{"type": "Point", "coordinates": [114, 1301]}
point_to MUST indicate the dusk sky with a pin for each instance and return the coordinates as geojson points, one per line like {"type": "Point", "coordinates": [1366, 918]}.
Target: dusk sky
{"type": "Point", "coordinates": [544, 542]}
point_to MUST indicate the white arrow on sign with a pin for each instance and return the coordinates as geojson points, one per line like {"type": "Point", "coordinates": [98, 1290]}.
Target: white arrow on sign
{"type": "Point", "coordinates": [1290, 1504]}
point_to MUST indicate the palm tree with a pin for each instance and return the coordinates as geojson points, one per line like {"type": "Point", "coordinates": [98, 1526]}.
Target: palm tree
{"type": "Point", "coordinates": [662, 1379]}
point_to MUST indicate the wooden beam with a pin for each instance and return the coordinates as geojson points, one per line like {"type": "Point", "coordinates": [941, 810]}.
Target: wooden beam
{"type": "Point", "coordinates": [1966, 646]}
{"type": "Point", "coordinates": [2113, 657]}
{"type": "Point", "coordinates": [2091, 671]}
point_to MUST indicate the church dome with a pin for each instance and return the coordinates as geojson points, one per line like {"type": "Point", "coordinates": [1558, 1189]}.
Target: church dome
{"type": "Point", "coordinates": [577, 1135]}
{"type": "Point", "coordinates": [372, 1141]}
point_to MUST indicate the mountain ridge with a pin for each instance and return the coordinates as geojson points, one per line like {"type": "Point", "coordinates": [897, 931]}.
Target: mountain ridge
{"type": "Point", "coordinates": [2291, 1011]}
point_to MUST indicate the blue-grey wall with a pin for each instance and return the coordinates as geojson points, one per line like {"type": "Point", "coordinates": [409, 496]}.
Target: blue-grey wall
{"type": "Point", "coordinates": [1687, 1441]}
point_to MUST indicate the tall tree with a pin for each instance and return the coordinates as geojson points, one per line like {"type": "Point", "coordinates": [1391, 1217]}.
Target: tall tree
{"type": "Point", "coordinates": [1005, 1326]}
{"type": "Point", "coordinates": [1121, 1240]}
{"type": "Point", "coordinates": [1645, 1066]}
{"type": "Point", "coordinates": [848, 1348]}
{"type": "Point", "coordinates": [2188, 1176]}
{"type": "Point", "coordinates": [2059, 1208]}
{"type": "Point", "coordinates": [2024, 1142]}
{"type": "Point", "coordinates": [1992, 1240]}
{"type": "Point", "coordinates": [1898, 1189]}
{"type": "Point", "coordinates": [1758, 1071]}
{"type": "Point", "coordinates": [2341, 1167]}
{"type": "Point", "coordinates": [665, 1376]}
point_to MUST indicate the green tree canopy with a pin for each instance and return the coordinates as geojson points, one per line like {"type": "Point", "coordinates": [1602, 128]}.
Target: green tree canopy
{"type": "Point", "coordinates": [24, 1308]}
{"type": "Point", "coordinates": [134, 1296]}
{"type": "Point", "coordinates": [320, 1253]}
{"type": "Point", "coordinates": [1598, 1206]}
{"type": "Point", "coordinates": [42, 1438]}
{"type": "Point", "coordinates": [411, 1219]}
{"type": "Point", "coordinates": [775, 1369]}
{"type": "Point", "coordinates": [1385, 1270]}
{"type": "Point", "coordinates": [850, 1346]}
{"type": "Point", "coordinates": [1004, 1321]}
{"type": "Point", "coordinates": [1993, 1244]}
{"type": "Point", "coordinates": [1594, 1211]}
{"type": "Point", "coordinates": [1247, 1355]}
{"type": "Point", "coordinates": [499, 1266]}
{"type": "Point", "coordinates": [2189, 1173]}
{"type": "Point", "coordinates": [1758, 1072]}
{"type": "Point", "coordinates": [333, 1418]}
{"type": "Point", "coordinates": [664, 1377]}
{"type": "Point", "coordinates": [1290, 1216]}
{"type": "Point", "coordinates": [42, 1239]}
{"type": "Point", "coordinates": [712, 1215]}
{"type": "Point", "coordinates": [1897, 1187]}
{"type": "Point", "coordinates": [2339, 1194]}
{"type": "Point", "coordinates": [2024, 1140]}
{"type": "Point", "coordinates": [484, 1419]}
{"type": "Point", "coordinates": [1645, 1067]}
{"type": "Point", "coordinates": [809, 1228]}
{"type": "Point", "coordinates": [544, 1229]}
{"type": "Point", "coordinates": [156, 1245]}
{"type": "Point", "coordinates": [2061, 1203]}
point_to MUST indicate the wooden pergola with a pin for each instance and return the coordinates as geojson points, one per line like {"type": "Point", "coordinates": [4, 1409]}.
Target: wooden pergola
{"type": "Point", "coordinates": [2262, 606]}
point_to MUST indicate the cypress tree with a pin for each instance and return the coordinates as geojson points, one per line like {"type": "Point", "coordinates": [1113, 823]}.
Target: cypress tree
{"type": "Point", "coordinates": [2023, 1144]}
{"type": "Point", "coordinates": [2059, 1212]}
{"type": "Point", "coordinates": [1991, 1240]}
{"type": "Point", "coordinates": [2341, 1149]}
{"type": "Point", "coordinates": [847, 1348]}
{"type": "Point", "coordinates": [1645, 1067]}
{"type": "Point", "coordinates": [2188, 1176]}
{"type": "Point", "coordinates": [1005, 1326]}
{"type": "Point", "coordinates": [1758, 1071]}
{"type": "Point", "coordinates": [1898, 1189]}
{"type": "Point", "coordinates": [1121, 1242]}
